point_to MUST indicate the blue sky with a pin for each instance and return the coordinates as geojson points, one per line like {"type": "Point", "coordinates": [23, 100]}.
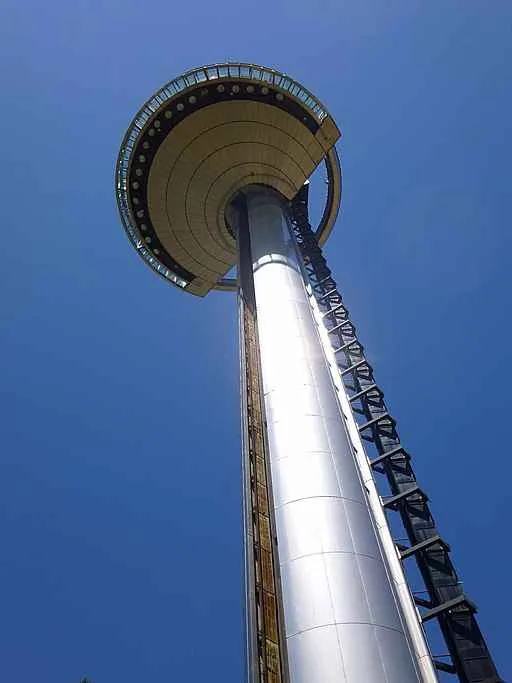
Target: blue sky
{"type": "Point", "coordinates": [120, 466]}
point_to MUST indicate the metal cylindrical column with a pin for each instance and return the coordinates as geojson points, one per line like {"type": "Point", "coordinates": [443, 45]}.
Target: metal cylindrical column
{"type": "Point", "coordinates": [342, 620]}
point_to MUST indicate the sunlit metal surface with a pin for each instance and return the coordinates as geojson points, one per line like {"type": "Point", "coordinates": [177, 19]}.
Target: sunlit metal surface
{"type": "Point", "coordinates": [341, 613]}
{"type": "Point", "coordinates": [396, 573]}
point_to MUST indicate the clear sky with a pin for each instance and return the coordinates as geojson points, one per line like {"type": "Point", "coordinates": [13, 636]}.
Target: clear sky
{"type": "Point", "coordinates": [120, 461]}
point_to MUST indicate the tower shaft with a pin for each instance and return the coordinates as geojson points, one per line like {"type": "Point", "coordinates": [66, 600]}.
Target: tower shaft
{"type": "Point", "coordinates": [341, 619]}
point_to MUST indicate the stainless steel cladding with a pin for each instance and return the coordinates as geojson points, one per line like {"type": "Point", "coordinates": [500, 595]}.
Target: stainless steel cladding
{"type": "Point", "coordinates": [342, 619]}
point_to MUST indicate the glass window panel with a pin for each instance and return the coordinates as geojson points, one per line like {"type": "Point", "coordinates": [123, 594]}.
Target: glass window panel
{"type": "Point", "coordinates": [223, 71]}
{"type": "Point", "coordinates": [245, 72]}
{"type": "Point", "coordinates": [234, 71]}
{"type": "Point", "coordinates": [190, 79]}
{"type": "Point", "coordinates": [212, 73]}
{"type": "Point", "coordinates": [201, 76]}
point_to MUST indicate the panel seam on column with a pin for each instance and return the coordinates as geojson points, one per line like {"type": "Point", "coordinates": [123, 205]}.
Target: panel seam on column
{"type": "Point", "coordinates": [340, 649]}
{"type": "Point", "coordinates": [361, 577]}
{"type": "Point", "coordinates": [331, 552]}
{"type": "Point", "coordinates": [297, 500]}
{"type": "Point", "coordinates": [345, 623]}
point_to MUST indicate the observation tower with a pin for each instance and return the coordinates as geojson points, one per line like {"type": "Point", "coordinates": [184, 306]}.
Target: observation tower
{"type": "Point", "coordinates": [213, 174]}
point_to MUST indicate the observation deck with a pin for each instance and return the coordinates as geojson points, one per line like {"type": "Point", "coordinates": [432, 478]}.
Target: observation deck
{"type": "Point", "coordinates": [198, 141]}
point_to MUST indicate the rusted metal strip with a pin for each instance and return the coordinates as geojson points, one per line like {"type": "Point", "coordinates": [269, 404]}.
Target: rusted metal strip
{"type": "Point", "coordinates": [264, 584]}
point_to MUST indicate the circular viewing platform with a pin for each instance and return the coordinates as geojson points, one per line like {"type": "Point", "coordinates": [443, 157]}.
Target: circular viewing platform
{"type": "Point", "coordinates": [198, 141]}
